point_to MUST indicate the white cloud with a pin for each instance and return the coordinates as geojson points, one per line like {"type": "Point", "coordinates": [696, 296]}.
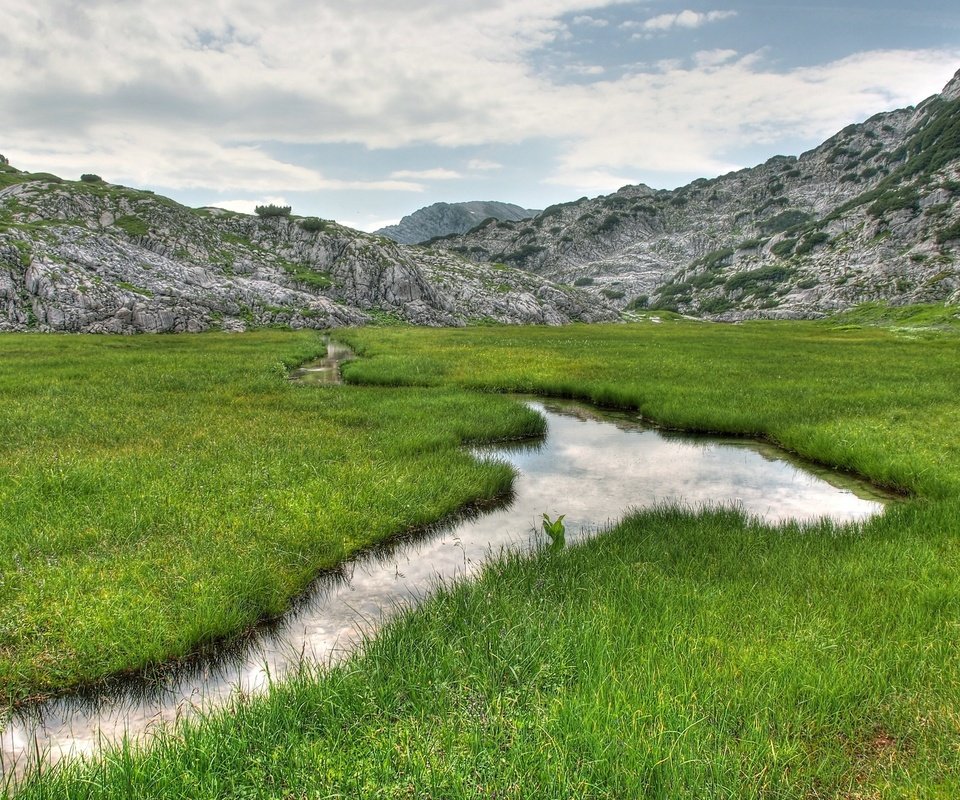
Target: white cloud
{"type": "Point", "coordinates": [713, 58]}
{"type": "Point", "coordinates": [369, 225]}
{"type": "Point", "coordinates": [436, 174]}
{"type": "Point", "coordinates": [483, 165]}
{"type": "Point", "coordinates": [189, 95]}
{"type": "Point", "coordinates": [187, 160]}
{"type": "Point", "coordinates": [588, 70]}
{"type": "Point", "coordinates": [595, 181]}
{"type": "Point", "coordinates": [593, 22]}
{"type": "Point", "coordinates": [685, 19]}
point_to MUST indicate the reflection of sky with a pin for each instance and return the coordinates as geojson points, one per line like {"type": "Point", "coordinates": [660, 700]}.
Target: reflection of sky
{"type": "Point", "coordinates": [592, 471]}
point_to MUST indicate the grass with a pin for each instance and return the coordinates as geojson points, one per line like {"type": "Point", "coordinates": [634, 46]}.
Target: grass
{"type": "Point", "coordinates": [862, 400]}
{"type": "Point", "coordinates": [160, 493]}
{"type": "Point", "coordinates": [132, 225]}
{"type": "Point", "coordinates": [678, 656]}
{"type": "Point", "coordinates": [682, 657]}
{"type": "Point", "coordinates": [926, 318]}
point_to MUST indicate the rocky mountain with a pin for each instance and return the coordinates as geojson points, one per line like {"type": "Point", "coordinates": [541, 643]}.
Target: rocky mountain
{"type": "Point", "coordinates": [871, 214]}
{"type": "Point", "coordinates": [443, 219]}
{"type": "Point", "coordinates": [89, 256]}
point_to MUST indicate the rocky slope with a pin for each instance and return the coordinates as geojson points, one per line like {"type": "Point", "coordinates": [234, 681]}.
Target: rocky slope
{"type": "Point", "coordinates": [871, 214]}
{"type": "Point", "coordinates": [92, 257]}
{"type": "Point", "coordinates": [443, 219]}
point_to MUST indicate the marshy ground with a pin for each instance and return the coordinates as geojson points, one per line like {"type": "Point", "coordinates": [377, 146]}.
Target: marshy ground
{"type": "Point", "coordinates": [680, 655]}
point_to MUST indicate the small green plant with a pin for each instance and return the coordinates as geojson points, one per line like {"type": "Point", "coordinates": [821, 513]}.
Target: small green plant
{"type": "Point", "coordinates": [132, 225]}
{"type": "Point", "coordinates": [949, 234]}
{"type": "Point", "coordinates": [313, 224]}
{"type": "Point", "coordinates": [813, 240]}
{"type": "Point", "coordinates": [613, 294]}
{"type": "Point", "coordinates": [273, 211]}
{"type": "Point", "coordinates": [783, 248]}
{"type": "Point", "coordinates": [89, 177]}
{"type": "Point", "coordinates": [555, 530]}
{"type": "Point", "coordinates": [784, 220]}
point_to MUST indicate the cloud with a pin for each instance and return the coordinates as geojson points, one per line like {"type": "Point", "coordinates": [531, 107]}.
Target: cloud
{"type": "Point", "coordinates": [370, 225]}
{"type": "Point", "coordinates": [178, 161]}
{"type": "Point", "coordinates": [591, 181]}
{"type": "Point", "coordinates": [436, 174]}
{"type": "Point", "coordinates": [713, 58]}
{"type": "Point", "coordinates": [482, 165]}
{"type": "Point", "coordinates": [685, 19]}
{"type": "Point", "coordinates": [593, 22]}
{"type": "Point", "coordinates": [588, 70]}
{"type": "Point", "coordinates": [686, 120]}
{"type": "Point", "coordinates": [216, 96]}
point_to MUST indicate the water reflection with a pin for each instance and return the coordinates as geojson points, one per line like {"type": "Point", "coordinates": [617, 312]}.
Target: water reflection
{"type": "Point", "coordinates": [324, 370]}
{"type": "Point", "coordinates": [591, 466]}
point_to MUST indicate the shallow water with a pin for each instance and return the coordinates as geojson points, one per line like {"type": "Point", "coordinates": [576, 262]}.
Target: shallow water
{"type": "Point", "coordinates": [324, 370]}
{"type": "Point", "coordinates": [592, 466]}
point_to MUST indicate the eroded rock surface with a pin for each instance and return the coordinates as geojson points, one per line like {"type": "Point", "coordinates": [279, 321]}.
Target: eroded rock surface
{"type": "Point", "coordinates": [871, 214]}
{"type": "Point", "coordinates": [107, 259]}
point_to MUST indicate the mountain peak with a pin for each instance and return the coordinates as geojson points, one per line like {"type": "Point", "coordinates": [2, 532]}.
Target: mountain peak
{"type": "Point", "coordinates": [952, 90]}
{"type": "Point", "coordinates": [442, 219]}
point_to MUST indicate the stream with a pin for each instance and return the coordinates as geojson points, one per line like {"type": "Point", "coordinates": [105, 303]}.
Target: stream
{"type": "Point", "coordinates": [593, 466]}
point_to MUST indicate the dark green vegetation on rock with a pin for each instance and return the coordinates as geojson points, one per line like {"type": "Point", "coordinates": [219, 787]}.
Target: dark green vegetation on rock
{"type": "Point", "coordinates": [682, 655]}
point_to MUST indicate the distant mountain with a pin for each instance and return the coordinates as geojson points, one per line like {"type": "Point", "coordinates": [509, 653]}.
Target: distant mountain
{"type": "Point", "coordinates": [443, 219]}
{"type": "Point", "coordinates": [872, 214]}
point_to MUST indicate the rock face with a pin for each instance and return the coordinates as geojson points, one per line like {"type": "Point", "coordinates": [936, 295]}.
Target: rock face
{"type": "Point", "coordinates": [91, 257]}
{"type": "Point", "coordinates": [871, 214]}
{"type": "Point", "coordinates": [443, 219]}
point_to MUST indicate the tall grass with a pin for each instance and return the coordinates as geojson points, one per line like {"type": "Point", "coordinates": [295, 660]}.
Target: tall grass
{"type": "Point", "coordinates": [864, 400]}
{"type": "Point", "coordinates": [680, 655]}
{"type": "Point", "coordinates": [159, 493]}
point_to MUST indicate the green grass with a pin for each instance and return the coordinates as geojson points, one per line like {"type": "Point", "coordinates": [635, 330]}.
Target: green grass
{"type": "Point", "coordinates": [308, 277]}
{"type": "Point", "coordinates": [930, 318]}
{"type": "Point", "coordinates": [681, 657]}
{"type": "Point", "coordinates": [159, 493]}
{"type": "Point", "coordinates": [863, 400]}
{"type": "Point", "coordinates": [678, 656]}
{"type": "Point", "coordinates": [132, 225]}
{"type": "Point", "coordinates": [133, 288]}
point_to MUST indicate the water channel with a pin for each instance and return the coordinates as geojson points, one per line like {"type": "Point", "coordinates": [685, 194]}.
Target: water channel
{"type": "Point", "coordinates": [592, 466]}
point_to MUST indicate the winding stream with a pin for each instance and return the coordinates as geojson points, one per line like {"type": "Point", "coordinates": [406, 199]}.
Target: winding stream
{"type": "Point", "coordinates": [592, 466]}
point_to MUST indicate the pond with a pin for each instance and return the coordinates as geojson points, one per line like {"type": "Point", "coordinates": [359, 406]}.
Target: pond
{"type": "Point", "coordinates": [592, 466]}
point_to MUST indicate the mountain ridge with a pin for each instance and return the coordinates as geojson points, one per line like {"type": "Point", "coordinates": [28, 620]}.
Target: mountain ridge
{"type": "Point", "coordinates": [443, 219]}
{"type": "Point", "coordinates": [87, 256]}
{"type": "Point", "coordinates": [640, 247]}
{"type": "Point", "coordinates": [871, 214]}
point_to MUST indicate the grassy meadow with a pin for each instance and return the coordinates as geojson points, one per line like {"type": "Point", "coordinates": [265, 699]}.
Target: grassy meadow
{"type": "Point", "coordinates": [160, 493]}
{"type": "Point", "coordinates": [680, 655]}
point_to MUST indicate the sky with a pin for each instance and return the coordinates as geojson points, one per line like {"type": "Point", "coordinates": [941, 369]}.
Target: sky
{"type": "Point", "coordinates": [363, 111]}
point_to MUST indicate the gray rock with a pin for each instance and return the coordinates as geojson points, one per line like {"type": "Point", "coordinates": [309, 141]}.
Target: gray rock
{"type": "Point", "coordinates": [443, 219]}
{"type": "Point", "coordinates": [115, 260]}
{"type": "Point", "coordinates": [716, 247]}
